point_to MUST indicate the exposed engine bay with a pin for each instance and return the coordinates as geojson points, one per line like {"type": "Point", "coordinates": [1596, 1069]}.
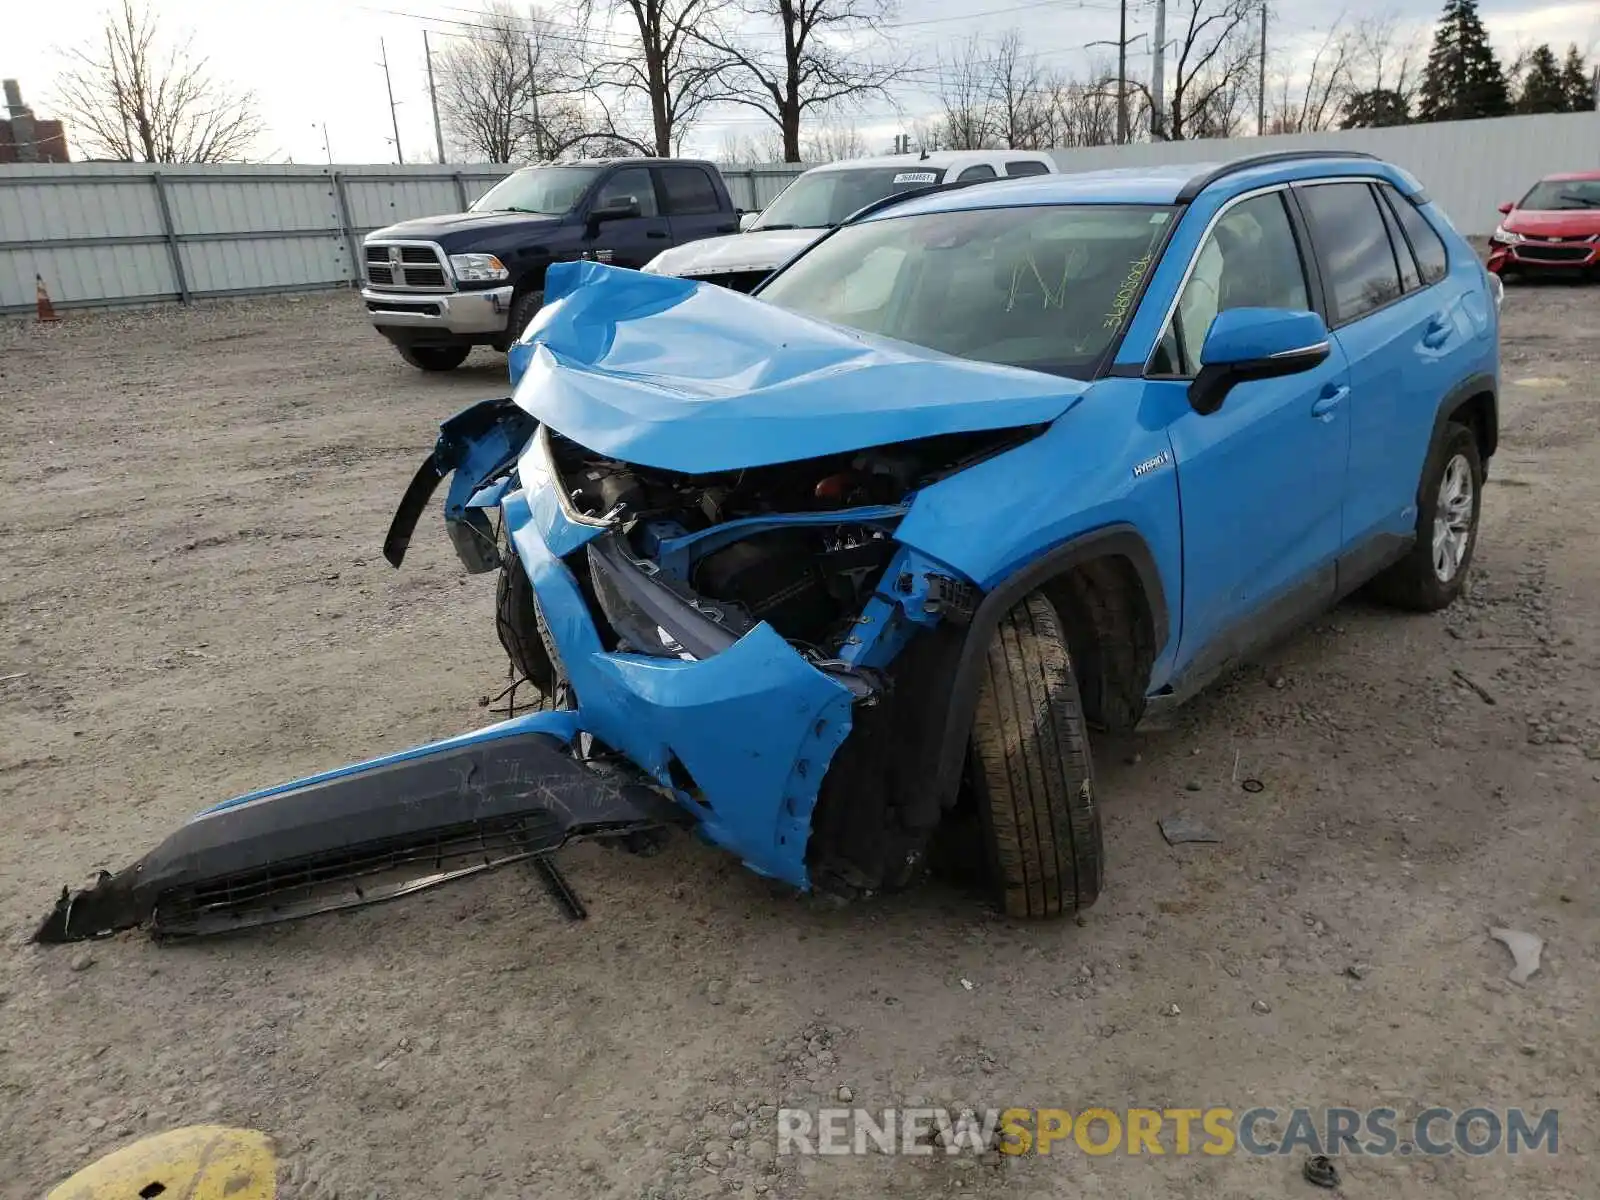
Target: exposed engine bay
{"type": "Point", "coordinates": [807, 579]}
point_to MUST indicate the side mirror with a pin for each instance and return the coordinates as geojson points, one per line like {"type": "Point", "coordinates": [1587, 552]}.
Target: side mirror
{"type": "Point", "coordinates": [618, 208]}
{"type": "Point", "coordinates": [1507, 207]}
{"type": "Point", "coordinates": [748, 219]}
{"type": "Point", "coordinates": [1245, 344]}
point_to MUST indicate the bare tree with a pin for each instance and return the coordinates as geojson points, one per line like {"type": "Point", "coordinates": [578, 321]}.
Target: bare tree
{"type": "Point", "coordinates": [833, 142]}
{"type": "Point", "coordinates": [1212, 66]}
{"type": "Point", "coordinates": [812, 70]}
{"type": "Point", "coordinates": [1018, 100]}
{"type": "Point", "coordinates": [745, 148]}
{"type": "Point", "coordinates": [928, 134]}
{"type": "Point", "coordinates": [129, 94]}
{"type": "Point", "coordinates": [666, 68]}
{"type": "Point", "coordinates": [1316, 100]}
{"type": "Point", "coordinates": [965, 95]}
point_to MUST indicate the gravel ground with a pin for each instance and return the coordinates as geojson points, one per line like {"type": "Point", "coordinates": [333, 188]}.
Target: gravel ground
{"type": "Point", "coordinates": [192, 603]}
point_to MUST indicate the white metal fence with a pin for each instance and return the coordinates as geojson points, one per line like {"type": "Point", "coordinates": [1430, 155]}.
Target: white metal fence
{"type": "Point", "coordinates": [1469, 167]}
{"type": "Point", "coordinates": [118, 233]}
{"type": "Point", "coordinates": [112, 233]}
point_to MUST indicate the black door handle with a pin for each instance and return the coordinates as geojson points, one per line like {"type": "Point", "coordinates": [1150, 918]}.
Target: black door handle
{"type": "Point", "coordinates": [656, 233]}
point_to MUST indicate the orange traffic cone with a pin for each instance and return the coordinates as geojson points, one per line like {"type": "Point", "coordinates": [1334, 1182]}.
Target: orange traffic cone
{"type": "Point", "coordinates": [47, 311]}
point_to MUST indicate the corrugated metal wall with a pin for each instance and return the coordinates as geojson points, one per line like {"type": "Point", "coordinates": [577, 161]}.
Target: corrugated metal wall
{"type": "Point", "coordinates": [110, 233]}
{"type": "Point", "coordinates": [1469, 167]}
{"type": "Point", "coordinates": [116, 233]}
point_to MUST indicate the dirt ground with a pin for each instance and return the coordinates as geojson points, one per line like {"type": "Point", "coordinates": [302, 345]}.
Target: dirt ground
{"type": "Point", "coordinates": [193, 604]}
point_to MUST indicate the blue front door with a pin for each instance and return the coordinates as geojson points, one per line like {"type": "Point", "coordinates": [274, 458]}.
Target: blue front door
{"type": "Point", "coordinates": [1261, 481]}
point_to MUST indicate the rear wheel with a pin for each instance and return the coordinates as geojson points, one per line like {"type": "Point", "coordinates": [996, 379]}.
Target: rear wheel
{"type": "Point", "coordinates": [1030, 770]}
{"type": "Point", "coordinates": [1434, 572]}
{"type": "Point", "coordinates": [435, 358]}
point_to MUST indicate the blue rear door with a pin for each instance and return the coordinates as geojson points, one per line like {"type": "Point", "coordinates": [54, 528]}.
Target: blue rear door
{"type": "Point", "coordinates": [1397, 314]}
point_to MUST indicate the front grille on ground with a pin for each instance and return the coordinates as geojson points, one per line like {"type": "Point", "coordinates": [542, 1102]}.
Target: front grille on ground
{"type": "Point", "coordinates": [405, 268]}
{"type": "Point", "coordinates": [362, 874]}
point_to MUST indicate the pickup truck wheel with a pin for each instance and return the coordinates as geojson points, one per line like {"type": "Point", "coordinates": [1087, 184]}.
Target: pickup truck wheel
{"type": "Point", "coordinates": [523, 310]}
{"type": "Point", "coordinates": [1030, 771]}
{"type": "Point", "coordinates": [1434, 572]}
{"type": "Point", "coordinates": [435, 358]}
{"type": "Point", "coordinates": [516, 620]}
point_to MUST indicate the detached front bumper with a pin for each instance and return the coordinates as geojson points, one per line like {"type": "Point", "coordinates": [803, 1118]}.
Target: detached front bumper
{"type": "Point", "coordinates": [448, 314]}
{"type": "Point", "coordinates": [366, 833]}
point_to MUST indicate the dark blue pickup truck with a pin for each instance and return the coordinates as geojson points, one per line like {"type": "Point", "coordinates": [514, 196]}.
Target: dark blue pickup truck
{"type": "Point", "coordinates": [438, 286]}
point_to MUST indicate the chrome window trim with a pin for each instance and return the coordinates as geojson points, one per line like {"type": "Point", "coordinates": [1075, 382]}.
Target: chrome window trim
{"type": "Point", "coordinates": [1194, 261]}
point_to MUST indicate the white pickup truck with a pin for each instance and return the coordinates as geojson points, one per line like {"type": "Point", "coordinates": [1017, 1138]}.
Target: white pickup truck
{"type": "Point", "coordinates": [823, 197]}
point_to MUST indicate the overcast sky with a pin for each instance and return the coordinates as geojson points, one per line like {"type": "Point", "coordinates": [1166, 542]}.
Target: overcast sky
{"type": "Point", "coordinates": [315, 61]}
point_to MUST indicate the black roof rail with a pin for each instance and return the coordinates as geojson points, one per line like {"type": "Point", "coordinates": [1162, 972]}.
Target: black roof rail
{"type": "Point", "coordinates": [1201, 182]}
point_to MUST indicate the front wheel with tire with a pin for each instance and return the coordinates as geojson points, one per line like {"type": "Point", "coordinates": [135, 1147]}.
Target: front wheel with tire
{"type": "Point", "coordinates": [523, 309]}
{"type": "Point", "coordinates": [1433, 573]}
{"type": "Point", "coordinates": [435, 358]}
{"type": "Point", "coordinates": [1030, 770]}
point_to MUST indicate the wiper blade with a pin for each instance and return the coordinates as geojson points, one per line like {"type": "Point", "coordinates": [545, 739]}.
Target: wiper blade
{"type": "Point", "coordinates": [769, 228]}
{"type": "Point", "coordinates": [1586, 201]}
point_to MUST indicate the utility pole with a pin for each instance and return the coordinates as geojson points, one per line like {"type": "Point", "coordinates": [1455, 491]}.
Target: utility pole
{"type": "Point", "coordinates": [1122, 73]}
{"type": "Point", "coordinates": [1158, 50]}
{"type": "Point", "coordinates": [394, 118]}
{"type": "Point", "coordinates": [433, 97]}
{"type": "Point", "coordinates": [1261, 80]}
{"type": "Point", "coordinates": [533, 86]}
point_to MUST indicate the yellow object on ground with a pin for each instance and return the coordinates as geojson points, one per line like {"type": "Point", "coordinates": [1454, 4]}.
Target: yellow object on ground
{"type": "Point", "coordinates": [199, 1162]}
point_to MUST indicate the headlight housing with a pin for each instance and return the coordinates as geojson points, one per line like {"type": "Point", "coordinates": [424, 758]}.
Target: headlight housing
{"type": "Point", "coordinates": [478, 268]}
{"type": "Point", "coordinates": [1502, 234]}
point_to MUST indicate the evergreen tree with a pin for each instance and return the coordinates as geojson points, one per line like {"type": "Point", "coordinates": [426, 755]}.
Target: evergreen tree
{"type": "Point", "coordinates": [1463, 78]}
{"type": "Point", "coordinates": [1543, 88]}
{"type": "Point", "coordinates": [1375, 109]}
{"type": "Point", "coordinates": [1576, 87]}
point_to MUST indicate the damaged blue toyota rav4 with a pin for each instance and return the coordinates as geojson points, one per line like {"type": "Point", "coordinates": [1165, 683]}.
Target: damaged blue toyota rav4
{"type": "Point", "coordinates": [819, 571]}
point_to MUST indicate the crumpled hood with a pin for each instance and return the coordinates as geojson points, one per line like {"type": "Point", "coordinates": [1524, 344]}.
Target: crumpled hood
{"type": "Point", "coordinates": [692, 377]}
{"type": "Point", "coordinates": [753, 251]}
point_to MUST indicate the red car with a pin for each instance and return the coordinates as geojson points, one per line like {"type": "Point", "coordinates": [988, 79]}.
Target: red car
{"type": "Point", "coordinates": [1554, 228]}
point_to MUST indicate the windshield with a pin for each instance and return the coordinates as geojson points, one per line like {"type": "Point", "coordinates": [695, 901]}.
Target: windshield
{"type": "Point", "coordinates": [1552, 195]}
{"type": "Point", "coordinates": [822, 199]}
{"type": "Point", "coordinates": [552, 191]}
{"type": "Point", "coordinates": [1044, 287]}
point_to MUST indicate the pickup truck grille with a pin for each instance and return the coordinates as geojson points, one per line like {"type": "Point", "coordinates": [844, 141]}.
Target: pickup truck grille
{"type": "Point", "coordinates": [405, 268]}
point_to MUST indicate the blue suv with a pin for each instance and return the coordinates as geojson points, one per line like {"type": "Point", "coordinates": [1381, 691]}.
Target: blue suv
{"type": "Point", "coordinates": [840, 569]}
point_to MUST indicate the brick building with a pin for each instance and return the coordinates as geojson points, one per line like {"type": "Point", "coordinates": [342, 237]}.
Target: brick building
{"type": "Point", "coordinates": [26, 139]}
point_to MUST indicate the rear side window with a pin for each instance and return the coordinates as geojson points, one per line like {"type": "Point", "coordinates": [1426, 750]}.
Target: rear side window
{"type": "Point", "coordinates": [981, 171]}
{"type": "Point", "coordinates": [631, 184]}
{"type": "Point", "coordinates": [688, 191]}
{"type": "Point", "coordinates": [1432, 261]}
{"type": "Point", "coordinates": [1352, 244]}
{"type": "Point", "coordinates": [1409, 279]}
{"type": "Point", "coordinates": [1026, 167]}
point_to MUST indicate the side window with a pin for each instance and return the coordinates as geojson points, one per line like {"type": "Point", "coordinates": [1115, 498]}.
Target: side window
{"type": "Point", "coordinates": [1432, 261]}
{"type": "Point", "coordinates": [1026, 167]}
{"type": "Point", "coordinates": [688, 191]}
{"type": "Point", "coordinates": [1409, 280]}
{"type": "Point", "coordinates": [1353, 247]}
{"type": "Point", "coordinates": [633, 182]}
{"type": "Point", "coordinates": [1249, 260]}
{"type": "Point", "coordinates": [981, 171]}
